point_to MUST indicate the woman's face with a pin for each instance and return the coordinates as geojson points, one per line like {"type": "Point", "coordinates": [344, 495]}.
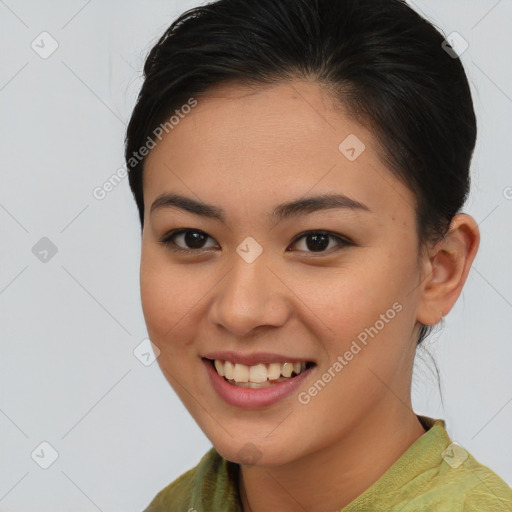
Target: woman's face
{"type": "Point", "coordinates": [259, 283]}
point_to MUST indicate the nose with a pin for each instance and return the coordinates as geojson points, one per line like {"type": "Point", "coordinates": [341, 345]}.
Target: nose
{"type": "Point", "coordinates": [250, 296]}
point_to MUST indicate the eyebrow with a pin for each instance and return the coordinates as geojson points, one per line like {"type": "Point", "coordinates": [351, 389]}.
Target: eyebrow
{"type": "Point", "coordinates": [298, 207]}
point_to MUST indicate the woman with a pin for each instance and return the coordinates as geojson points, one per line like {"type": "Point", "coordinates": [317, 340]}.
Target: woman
{"type": "Point", "coordinates": [299, 168]}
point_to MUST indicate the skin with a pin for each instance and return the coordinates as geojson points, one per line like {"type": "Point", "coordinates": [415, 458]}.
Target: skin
{"type": "Point", "coordinates": [245, 151]}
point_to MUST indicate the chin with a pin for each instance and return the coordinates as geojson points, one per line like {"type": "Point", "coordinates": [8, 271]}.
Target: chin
{"type": "Point", "coordinates": [254, 452]}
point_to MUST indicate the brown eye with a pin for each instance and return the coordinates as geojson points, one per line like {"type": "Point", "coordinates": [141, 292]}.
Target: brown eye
{"type": "Point", "coordinates": [191, 239]}
{"type": "Point", "coordinates": [319, 241]}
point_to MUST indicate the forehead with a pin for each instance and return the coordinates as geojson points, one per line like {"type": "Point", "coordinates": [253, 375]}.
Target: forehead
{"type": "Point", "coordinates": [271, 143]}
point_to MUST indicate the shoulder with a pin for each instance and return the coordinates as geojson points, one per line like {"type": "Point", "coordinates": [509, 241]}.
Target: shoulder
{"type": "Point", "coordinates": [477, 487]}
{"type": "Point", "coordinates": [460, 483]}
{"type": "Point", "coordinates": [461, 479]}
{"type": "Point", "coordinates": [198, 486]}
{"type": "Point", "coordinates": [436, 475]}
{"type": "Point", "coordinates": [472, 487]}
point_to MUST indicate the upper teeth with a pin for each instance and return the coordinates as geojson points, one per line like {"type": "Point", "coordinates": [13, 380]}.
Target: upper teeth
{"type": "Point", "coordinates": [257, 373]}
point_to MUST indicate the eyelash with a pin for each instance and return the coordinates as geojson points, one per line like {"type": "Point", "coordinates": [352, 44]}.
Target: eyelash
{"type": "Point", "coordinates": [166, 240]}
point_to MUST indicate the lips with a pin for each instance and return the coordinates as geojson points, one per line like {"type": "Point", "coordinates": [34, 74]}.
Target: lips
{"type": "Point", "coordinates": [241, 395]}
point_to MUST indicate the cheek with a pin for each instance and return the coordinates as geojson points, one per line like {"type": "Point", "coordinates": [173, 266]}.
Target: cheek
{"type": "Point", "coordinates": [174, 299]}
{"type": "Point", "coordinates": [364, 300]}
{"type": "Point", "coordinates": [163, 296]}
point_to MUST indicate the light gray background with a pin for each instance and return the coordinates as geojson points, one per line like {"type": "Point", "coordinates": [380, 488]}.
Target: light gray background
{"type": "Point", "coordinates": [70, 325]}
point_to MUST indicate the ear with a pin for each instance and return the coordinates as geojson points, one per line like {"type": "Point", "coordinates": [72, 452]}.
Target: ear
{"type": "Point", "coordinates": [446, 267]}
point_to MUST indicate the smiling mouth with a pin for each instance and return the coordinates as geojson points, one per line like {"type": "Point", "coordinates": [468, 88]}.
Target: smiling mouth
{"type": "Point", "coordinates": [260, 375]}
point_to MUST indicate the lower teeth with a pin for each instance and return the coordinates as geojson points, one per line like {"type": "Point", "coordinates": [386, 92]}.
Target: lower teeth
{"type": "Point", "coordinates": [258, 385]}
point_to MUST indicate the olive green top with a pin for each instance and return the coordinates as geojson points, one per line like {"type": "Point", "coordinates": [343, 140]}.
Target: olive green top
{"type": "Point", "coordinates": [432, 475]}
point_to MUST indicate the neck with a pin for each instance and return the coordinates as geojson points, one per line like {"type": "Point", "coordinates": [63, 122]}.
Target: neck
{"type": "Point", "coordinates": [338, 473]}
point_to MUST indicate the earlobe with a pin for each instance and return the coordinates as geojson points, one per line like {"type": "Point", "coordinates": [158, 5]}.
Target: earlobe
{"type": "Point", "coordinates": [449, 262]}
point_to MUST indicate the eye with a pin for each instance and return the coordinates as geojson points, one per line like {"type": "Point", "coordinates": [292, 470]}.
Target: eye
{"type": "Point", "coordinates": [194, 238]}
{"type": "Point", "coordinates": [318, 241]}
{"type": "Point", "coordinates": [194, 241]}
